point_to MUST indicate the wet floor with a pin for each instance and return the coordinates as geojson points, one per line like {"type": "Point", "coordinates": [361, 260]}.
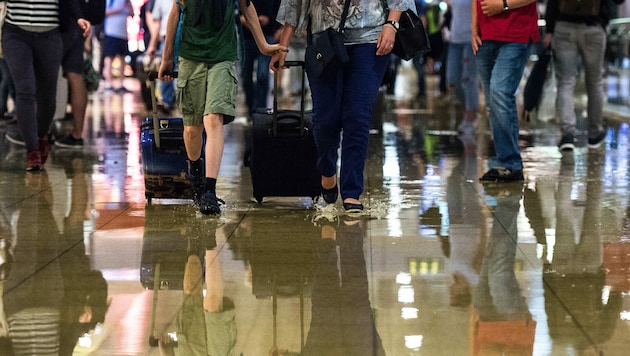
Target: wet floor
{"type": "Point", "coordinates": [438, 263]}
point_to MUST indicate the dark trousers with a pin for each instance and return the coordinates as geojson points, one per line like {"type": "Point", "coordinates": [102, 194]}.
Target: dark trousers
{"type": "Point", "coordinates": [33, 59]}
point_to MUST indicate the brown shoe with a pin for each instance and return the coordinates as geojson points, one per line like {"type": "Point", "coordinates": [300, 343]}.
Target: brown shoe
{"type": "Point", "coordinates": [43, 148]}
{"type": "Point", "coordinates": [33, 161]}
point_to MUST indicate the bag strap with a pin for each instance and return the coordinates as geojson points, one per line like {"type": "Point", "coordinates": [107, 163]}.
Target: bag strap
{"type": "Point", "coordinates": [342, 22]}
{"type": "Point", "coordinates": [344, 14]}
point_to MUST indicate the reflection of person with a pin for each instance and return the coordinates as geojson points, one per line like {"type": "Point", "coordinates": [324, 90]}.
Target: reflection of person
{"type": "Point", "coordinates": [50, 299]}
{"type": "Point", "coordinates": [501, 316]}
{"type": "Point", "coordinates": [575, 278]}
{"type": "Point", "coordinates": [501, 38]}
{"type": "Point", "coordinates": [206, 324]}
{"type": "Point", "coordinates": [32, 48]}
{"type": "Point", "coordinates": [578, 39]}
{"type": "Point", "coordinates": [342, 321]}
{"type": "Point", "coordinates": [343, 101]}
{"type": "Point", "coordinates": [466, 240]}
{"type": "Point", "coordinates": [207, 84]}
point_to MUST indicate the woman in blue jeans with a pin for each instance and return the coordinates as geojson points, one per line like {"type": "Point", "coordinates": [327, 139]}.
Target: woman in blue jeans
{"type": "Point", "coordinates": [343, 99]}
{"type": "Point", "coordinates": [32, 46]}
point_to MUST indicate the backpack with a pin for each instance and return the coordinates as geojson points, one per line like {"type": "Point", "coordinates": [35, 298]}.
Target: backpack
{"type": "Point", "coordinates": [93, 11]}
{"type": "Point", "coordinates": [582, 8]}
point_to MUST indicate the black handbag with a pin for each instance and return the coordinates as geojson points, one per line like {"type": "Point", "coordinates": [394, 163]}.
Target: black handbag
{"type": "Point", "coordinates": [411, 37]}
{"type": "Point", "coordinates": [326, 50]}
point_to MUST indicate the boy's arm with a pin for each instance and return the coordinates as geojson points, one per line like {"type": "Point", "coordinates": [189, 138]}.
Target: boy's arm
{"type": "Point", "coordinates": [169, 43]}
{"type": "Point", "coordinates": [251, 21]}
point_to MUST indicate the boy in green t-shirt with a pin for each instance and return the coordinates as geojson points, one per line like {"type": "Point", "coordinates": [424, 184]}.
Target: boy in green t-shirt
{"type": "Point", "coordinates": [207, 84]}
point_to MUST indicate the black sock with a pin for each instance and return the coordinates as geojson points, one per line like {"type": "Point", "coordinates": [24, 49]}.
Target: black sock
{"type": "Point", "coordinates": [195, 168]}
{"type": "Point", "coordinates": [211, 184]}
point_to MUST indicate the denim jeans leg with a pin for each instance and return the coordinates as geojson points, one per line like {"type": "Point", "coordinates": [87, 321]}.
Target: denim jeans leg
{"type": "Point", "coordinates": [327, 95]}
{"type": "Point", "coordinates": [500, 66]}
{"type": "Point", "coordinates": [362, 79]}
{"type": "Point", "coordinates": [566, 56]}
{"type": "Point", "coordinates": [469, 80]}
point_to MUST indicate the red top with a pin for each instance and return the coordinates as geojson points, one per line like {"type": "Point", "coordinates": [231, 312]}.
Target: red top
{"type": "Point", "coordinates": [518, 25]}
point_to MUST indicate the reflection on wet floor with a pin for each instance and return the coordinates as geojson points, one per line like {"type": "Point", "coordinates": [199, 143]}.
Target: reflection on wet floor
{"type": "Point", "coordinates": [437, 264]}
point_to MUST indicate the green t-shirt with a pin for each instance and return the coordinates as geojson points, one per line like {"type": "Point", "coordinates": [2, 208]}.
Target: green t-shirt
{"type": "Point", "coordinates": [201, 42]}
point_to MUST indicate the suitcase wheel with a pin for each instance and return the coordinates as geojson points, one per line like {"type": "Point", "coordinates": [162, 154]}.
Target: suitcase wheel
{"type": "Point", "coordinates": [259, 199]}
{"type": "Point", "coordinates": [153, 341]}
{"type": "Point", "coordinates": [149, 197]}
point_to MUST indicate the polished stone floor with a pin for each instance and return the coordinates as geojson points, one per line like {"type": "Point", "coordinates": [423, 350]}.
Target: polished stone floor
{"type": "Point", "coordinates": [438, 263]}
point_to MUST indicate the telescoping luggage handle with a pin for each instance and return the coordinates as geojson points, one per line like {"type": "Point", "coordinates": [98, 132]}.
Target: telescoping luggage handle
{"type": "Point", "coordinates": [274, 120]}
{"type": "Point", "coordinates": [154, 111]}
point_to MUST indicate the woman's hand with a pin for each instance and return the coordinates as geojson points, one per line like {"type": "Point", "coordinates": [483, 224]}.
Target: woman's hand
{"type": "Point", "coordinates": [386, 40]}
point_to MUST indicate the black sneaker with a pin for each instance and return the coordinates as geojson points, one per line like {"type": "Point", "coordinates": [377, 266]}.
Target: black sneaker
{"type": "Point", "coordinates": [567, 143]}
{"type": "Point", "coordinates": [597, 141]}
{"type": "Point", "coordinates": [209, 204]}
{"type": "Point", "coordinates": [69, 142]}
{"type": "Point", "coordinates": [502, 174]}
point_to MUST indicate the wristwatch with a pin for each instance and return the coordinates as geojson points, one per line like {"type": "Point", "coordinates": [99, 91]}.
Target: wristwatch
{"type": "Point", "coordinates": [393, 23]}
{"type": "Point", "coordinates": [505, 6]}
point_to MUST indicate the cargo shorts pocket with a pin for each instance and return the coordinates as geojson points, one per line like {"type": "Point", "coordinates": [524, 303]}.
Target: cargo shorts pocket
{"type": "Point", "coordinates": [191, 95]}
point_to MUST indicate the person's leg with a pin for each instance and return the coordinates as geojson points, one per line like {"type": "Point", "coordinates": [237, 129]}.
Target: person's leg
{"type": "Point", "coordinates": [72, 64]}
{"type": "Point", "coordinates": [362, 79]}
{"type": "Point", "coordinates": [19, 57]}
{"type": "Point", "coordinates": [5, 84]}
{"type": "Point", "coordinates": [247, 71]}
{"type": "Point", "coordinates": [327, 98]}
{"type": "Point", "coordinates": [565, 58]}
{"type": "Point", "coordinates": [592, 45]}
{"type": "Point", "coordinates": [454, 69]}
{"type": "Point", "coordinates": [470, 82]}
{"type": "Point", "coordinates": [501, 66]}
{"type": "Point", "coordinates": [262, 78]}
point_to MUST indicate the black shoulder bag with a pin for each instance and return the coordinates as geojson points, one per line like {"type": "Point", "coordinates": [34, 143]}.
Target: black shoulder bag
{"type": "Point", "coordinates": [411, 37]}
{"type": "Point", "coordinates": [326, 49]}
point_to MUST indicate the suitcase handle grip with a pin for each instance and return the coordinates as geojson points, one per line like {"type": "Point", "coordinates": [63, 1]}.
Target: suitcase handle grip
{"type": "Point", "coordinates": [274, 121]}
{"type": "Point", "coordinates": [153, 75]}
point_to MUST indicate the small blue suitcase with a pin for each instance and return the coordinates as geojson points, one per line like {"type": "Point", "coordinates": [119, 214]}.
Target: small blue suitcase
{"type": "Point", "coordinates": [164, 166]}
{"type": "Point", "coordinates": [163, 155]}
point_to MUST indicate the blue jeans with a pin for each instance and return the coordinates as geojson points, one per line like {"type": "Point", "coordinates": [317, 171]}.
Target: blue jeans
{"type": "Point", "coordinates": [461, 74]}
{"type": "Point", "coordinates": [256, 93]}
{"type": "Point", "coordinates": [572, 42]}
{"type": "Point", "coordinates": [343, 103]}
{"type": "Point", "coordinates": [500, 66]}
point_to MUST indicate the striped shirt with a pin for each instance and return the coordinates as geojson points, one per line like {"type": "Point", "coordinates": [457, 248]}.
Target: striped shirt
{"type": "Point", "coordinates": [42, 14]}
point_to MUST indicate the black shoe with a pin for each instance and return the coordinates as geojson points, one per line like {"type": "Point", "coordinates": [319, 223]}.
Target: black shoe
{"type": "Point", "coordinates": [597, 141]}
{"type": "Point", "coordinates": [330, 195]}
{"type": "Point", "coordinates": [502, 174]}
{"type": "Point", "coordinates": [352, 207]}
{"type": "Point", "coordinates": [209, 204]}
{"type": "Point", "coordinates": [567, 143]}
{"type": "Point", "coordinates": [69, 142]}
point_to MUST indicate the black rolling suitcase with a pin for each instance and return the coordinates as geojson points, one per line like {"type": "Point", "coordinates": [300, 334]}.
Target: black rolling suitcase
{"type": "Point", "coordinates": [282, 155]}
{"type": "Point", "coordinates": [163, 154]}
